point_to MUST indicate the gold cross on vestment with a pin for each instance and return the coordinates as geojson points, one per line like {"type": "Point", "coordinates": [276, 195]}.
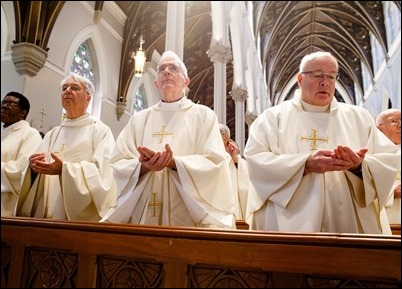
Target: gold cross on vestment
{"type": "Point", "coordinates": [62, 148]}
{"type": "Point", "coordinates": [314, 139]}
{"type": "Point", "coordinates": [162, 133]}
{"type": "Point", "coordinates": [154, 203]}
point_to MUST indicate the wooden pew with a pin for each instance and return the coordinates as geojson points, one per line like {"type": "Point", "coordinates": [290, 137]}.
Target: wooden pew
{"type": "Point", "coordinates": [39, 253]}
{"type": "Point", "coordinates": [396, 229]}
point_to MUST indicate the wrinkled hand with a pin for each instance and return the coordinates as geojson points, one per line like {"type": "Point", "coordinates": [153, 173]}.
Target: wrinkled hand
{"type": "Point", "coordinates": [155, 161]}
{"type": "Point", "coordinates": [354, 158]}
{"type": "Point", "coordinates": [322, 161]}
{"type": "Point", "coordinates": [233, 150]}
{"type": "Point", "coordinates": [340, 159]}
{"type": "Point", "coordinates": [38, 164]}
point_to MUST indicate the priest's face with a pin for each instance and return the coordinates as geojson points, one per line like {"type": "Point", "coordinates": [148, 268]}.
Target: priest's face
{"type": "Point", "coordinates": [74, 98]}
{"type": "Point", "coordinates": [391, 126]}
{"type": "Point", "coordinates": [317, 81]}
{"type": "Point", "coordinates": [170, 80]}
{"type": "Point", "coordinates": [11, 111]}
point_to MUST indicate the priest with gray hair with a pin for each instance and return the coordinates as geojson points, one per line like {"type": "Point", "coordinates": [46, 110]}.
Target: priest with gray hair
{"type": "Point", "coordinates": [169, 160]}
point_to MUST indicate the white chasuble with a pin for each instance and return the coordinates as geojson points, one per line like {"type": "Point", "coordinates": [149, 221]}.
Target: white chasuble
{"type": "Point", "coordinates": [198, 193]}
{"type": "Point", "coordinates": [393, 206]}
{"type": "Point", "coordinates": [283, 199]}
{"type": "Point", "coordinates": [18, 142]}
{"type": "Point", "coordinates": [85, 190]}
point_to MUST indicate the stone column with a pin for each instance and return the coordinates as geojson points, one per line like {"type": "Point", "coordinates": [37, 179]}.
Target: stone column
{"type": "Point", "coordinates": [220, 55]}
{"type": "Point", "coordinates": [239, 95]}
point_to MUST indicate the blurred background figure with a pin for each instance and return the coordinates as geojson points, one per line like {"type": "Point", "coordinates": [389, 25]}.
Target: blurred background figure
{"type": "Point", "coordinates": [238, 172]}
{"type": "Point", "coordinates": [389, 122]}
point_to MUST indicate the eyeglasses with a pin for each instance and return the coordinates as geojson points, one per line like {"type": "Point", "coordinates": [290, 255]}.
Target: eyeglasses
{"type": "Point", "coordinates": [393, 122]}
{"type": "Point", "coordinates": [318, 74]}
{"type": "Point", "coordinates": [73, 87]}
{"type": "Point", "coordinates": [172, 68]}
{"type": "Point", "coordinates": [10, 103]}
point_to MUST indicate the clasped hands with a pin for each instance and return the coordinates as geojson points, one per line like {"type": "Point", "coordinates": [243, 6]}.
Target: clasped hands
{"type": "Point", "coordinates": [340, 159]}
{"type": "Point", "coordinates": [155, 161]}
{"type": "Point", "coordinates": [39, 165]}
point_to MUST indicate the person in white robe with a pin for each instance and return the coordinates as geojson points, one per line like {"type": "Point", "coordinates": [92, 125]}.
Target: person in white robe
{"type": "Point", "coordinates": [18, 141]}
{"type": "Point", "coordinates": [316, 164]}
{"type": "Point", "coordinates": [169, 160]}
{"type": "Point", "coordinates": [389, 122]}
{"type": "Point", "coordinates": [238, 172]}
{"type": "Point", "coordinates": [71, 177]}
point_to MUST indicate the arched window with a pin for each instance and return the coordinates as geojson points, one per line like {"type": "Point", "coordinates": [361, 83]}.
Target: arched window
{"type": "Point", "coordinates": [140, 101]}
{"type": "Point", "coordinates": [83, 65]}
{"type": "Point", "coordinates": [392, 19]}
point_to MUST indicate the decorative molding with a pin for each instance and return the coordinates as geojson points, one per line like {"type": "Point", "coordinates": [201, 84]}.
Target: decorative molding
{"type": "Point", "coordinates": [28, 58]}
{"type": "Point", "coordinates": [97, 16]}
{"type": "Point", "coordinates": [249, 119]}
{"type": "Point", "coordinates": [239, 94]}
{"type": "Point", "coordinates": [120, 107]}
{"type": "Point", "coordinates": [219, 53]}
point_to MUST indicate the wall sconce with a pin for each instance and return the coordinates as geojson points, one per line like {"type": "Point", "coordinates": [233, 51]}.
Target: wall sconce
{"type": "Point", "coordinates": [139, 58]}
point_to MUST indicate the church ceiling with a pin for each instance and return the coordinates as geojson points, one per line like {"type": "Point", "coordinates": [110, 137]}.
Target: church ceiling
{"type": "Point", "coordinates": [288, 30]}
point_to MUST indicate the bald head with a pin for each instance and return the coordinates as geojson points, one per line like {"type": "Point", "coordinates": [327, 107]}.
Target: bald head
{"type": "Point", "coordinates": [389, 122]}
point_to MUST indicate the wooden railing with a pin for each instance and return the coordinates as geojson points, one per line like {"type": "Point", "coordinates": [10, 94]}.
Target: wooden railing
{"type": "Point", "coordinates": [49, 253]}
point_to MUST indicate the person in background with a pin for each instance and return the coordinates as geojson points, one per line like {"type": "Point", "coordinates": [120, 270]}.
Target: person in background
{"type": "Point", "coordinates": [389, 122]}
{"type": "Point", "coordinates": [70, 177]}
{"type": "Point", "coordinates": [316, 164]}
{"type": "Point", "coordinates": [238, 171]}
{"type": "Point", "coordinates": [169, 160]}
{"type": "Point", "coordinates": [18, 141]}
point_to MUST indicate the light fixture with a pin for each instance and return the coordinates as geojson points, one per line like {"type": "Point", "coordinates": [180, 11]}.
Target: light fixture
{"type": "Point", "coordinates": [139, 59]}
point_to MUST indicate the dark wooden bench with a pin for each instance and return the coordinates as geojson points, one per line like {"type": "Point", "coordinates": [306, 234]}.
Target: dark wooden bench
{"type": "Point", "coordinates": [39, 253]}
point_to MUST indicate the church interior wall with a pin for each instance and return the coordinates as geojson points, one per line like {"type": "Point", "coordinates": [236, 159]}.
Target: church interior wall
{"type": "Point", "coordinates": [43, 89]}
{"type": "Point", "coordinates": [75, 23]}
{"type": "Point", "coordinates": [387, 83]}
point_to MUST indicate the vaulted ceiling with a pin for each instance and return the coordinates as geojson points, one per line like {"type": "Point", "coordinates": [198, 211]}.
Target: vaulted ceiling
{"type": "Point", "coordinates": [288, 30]}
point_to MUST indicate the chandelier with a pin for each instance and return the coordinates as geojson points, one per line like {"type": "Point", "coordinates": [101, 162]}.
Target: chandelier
{"type": "Point", "coordinates": [139, 58]}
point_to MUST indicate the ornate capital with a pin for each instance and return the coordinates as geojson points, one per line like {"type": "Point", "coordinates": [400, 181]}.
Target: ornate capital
{"type": "Point", "coordinates": [97, 16]}
{"type": "Point", "coordinates": [249, 118]}
{"type": "Point", "coordinates": [239, 95]}
{"type": "Point", "coordinates": [28, 58]}
{"type": "Point", "coordinates": [219, 53]}
{"type": "Point", "coordinates": [120, 107]}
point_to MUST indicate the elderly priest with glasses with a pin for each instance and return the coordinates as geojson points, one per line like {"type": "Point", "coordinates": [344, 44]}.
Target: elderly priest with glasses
{"type": "Point", "coordinates": [70, 178]}
{"type": "Point", "coordinates": [318, 165]}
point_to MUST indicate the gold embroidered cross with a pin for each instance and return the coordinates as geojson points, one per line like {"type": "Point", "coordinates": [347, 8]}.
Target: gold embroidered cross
{"type": "Point", "coordinates": [154, 203]}
{"type": "Point", "coordinates": [314, 139]}
{"type": "Point", "coordinates": [162, 133]}
{"type": "Point", "coordinates": [62, 148]}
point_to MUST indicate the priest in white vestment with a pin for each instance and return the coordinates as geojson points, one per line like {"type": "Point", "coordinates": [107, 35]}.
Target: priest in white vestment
{"type": "Point", "coordinates": [18, 141]}
{"type": "Point", "coordinates": [169, 161]}
{"type": "Point", "coordinates": [318, 165]}
{"type": "Point", "coordinates": [71, 177]}
{"type": "Point", "coordinates": [238, 172]}
{"type": "Point", "coordinates": [389, 122]}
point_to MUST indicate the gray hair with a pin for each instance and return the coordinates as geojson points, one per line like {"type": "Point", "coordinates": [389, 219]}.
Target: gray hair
{"type": "Point", "coordinates": [318, 54]}
{"type": "Point", "coordinates": [224, 129]}
{"type": "Point", "coordinates": [88, 85]}
{"type": "Point", "coordinates": [379, 120]}
{"type": "Point", "coordinates": [171, 55]}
